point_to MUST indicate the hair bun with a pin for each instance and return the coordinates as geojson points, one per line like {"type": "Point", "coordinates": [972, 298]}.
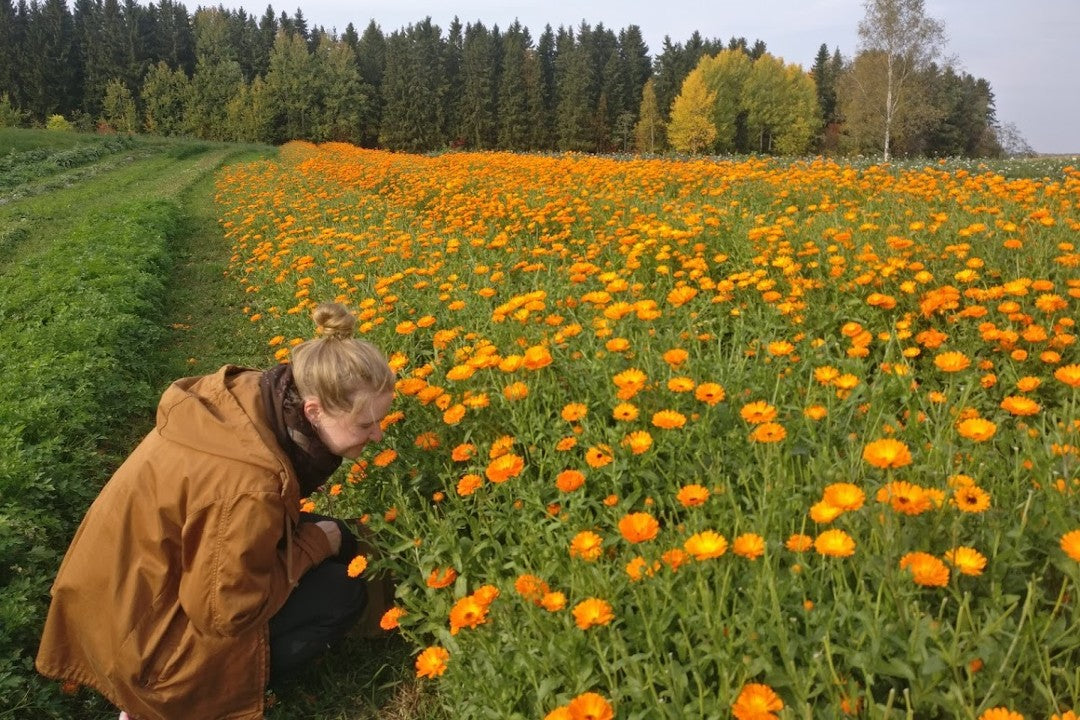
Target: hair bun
{"type": "Point", "coordinates": [334, 321]}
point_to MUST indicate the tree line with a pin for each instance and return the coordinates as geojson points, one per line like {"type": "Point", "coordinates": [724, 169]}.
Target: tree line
{"type": "Point", "coordinates": [224, 74]}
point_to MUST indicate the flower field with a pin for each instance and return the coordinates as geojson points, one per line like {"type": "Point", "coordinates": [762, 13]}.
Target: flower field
{"type": "Point", "coordinates": [702, 439]}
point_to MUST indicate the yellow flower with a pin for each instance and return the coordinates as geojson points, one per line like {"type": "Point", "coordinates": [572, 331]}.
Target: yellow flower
{"type": "Point", "coordinates": [638, 441]}
{"type": "Point", "coordinates": [1070, 544]}
{"type": "Point", "coordinates": [926, 570]}
{"type": "Point", "coordinates": [756, 702]}
{"type": "Point", "coordinates": [709, 393]}
{"type": "Point", "coordinates": [572, 412]}
{"type": "Point", "coordinates": [799, 542]}
{"type": "Point", "coordinates": [976, 429]}
{"type": "Point", "coordinates": [692, 495]}
{"type": "Point", "coordinates": [967, 560]}
{"type": "Point", "coordinates": [953, 361]}
{"type": "Point", "coordinates": [749, 545]}
{"type": "Point", "coordinates": [757, 412]}
{"type": "Point", "coordinates": [768, 432]}
{"type": "Point", "coordinates": [834, 543]}
{"type": "Point", "coordinates": [668, 419]}
{"type": "Point", "coordinates": [357, 565]}
{"type": "Point", "coordinates": [846, 496]}
{"type": "Point", "coordinates": [587, 545]}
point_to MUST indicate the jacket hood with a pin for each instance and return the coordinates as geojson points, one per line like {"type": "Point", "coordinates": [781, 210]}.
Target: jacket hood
{"type": "Point", "coordinates": [221, 415]}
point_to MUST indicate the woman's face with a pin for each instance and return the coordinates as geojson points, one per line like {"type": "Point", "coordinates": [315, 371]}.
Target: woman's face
{"type": "Point", "coordinates": [346, 435]}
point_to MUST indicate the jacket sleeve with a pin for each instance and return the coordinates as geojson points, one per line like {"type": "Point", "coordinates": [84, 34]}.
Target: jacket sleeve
{"type": "Point", "coordinates": [236, 562]}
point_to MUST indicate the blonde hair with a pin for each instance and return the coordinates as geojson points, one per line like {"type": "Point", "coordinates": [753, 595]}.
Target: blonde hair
{"type": "Point", "coordinates": [342, 372]}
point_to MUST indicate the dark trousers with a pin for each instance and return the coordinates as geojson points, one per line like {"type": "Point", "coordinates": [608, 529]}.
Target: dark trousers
{"type": "Point", "coordinates": [318, 613]}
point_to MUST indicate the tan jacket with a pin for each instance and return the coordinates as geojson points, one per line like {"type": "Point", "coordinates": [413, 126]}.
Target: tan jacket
{"type": "Point", "coordinates": [163, 599]}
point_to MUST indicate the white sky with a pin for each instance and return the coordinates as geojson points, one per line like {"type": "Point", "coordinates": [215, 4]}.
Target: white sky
{"type": "Point", "coordinates": [1029, 50]}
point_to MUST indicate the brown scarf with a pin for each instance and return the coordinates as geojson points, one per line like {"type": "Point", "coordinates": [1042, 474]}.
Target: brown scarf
{"type": "Point", "coordinates": [311, 459]}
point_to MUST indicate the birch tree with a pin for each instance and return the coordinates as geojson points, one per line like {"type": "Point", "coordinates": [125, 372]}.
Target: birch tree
{"type": "Point", "coordinates": [907, 41]}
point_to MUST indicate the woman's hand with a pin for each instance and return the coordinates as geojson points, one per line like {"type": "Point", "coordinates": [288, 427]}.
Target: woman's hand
{"type": "Point", "coordinates": [333, 534]}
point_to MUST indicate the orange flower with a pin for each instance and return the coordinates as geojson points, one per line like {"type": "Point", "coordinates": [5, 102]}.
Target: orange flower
{"type": "Point", "coordinates": [904, 497]}
{"type": "Point", "coordinates": [592, 612]}
{"type": "Point", "coordinates": [1068, 374]}
{"type": "Point", "coordinates": [463, 452]}
{"type": "Point", "coordinates": [432, 662]}
{"type": "Point", "coordinates": [834, 543]}
{"type": "Point", "coordinates": [390, 618]}
{"type": "Point", "coordinates": [625, 412]}
{"type": "Point", "coordinates": [756, 702]}
{"type": "Point", "coordinates": [516, 391]}
{"type": "Point", "coordinates": [816, 412]}
{"type": "Point", "coordinates": [749, 545]}
{"type": "Point", "coordinates": [468, 484]}
{"type": "Point", "coordinates": [560, 713]}
{"type": "Point", "coordinates": [824, 512]}
{"type": "Point", "coordinates": [967, 560]}
{"type": "Point", "coordinates": [468, 612]}
{"type": "Point", "coordinates": [1070, 544]}
{"type": "Point", "coordinates": [504, 467]}
{"type": "Point", "coordinates": [454, 414]}
{"type": "Point", "coordinates": [757, 412]}
{"type": "Point", "coordinates": [536, 357]}
{"type": "Point", "coordinates": [531, 587]}
{"type": "Point", "coordinates": [384, 458]}
{"type": "Point", "coordinates": [1020, 405]}
{"type": "Point", "coordinates": [590, 706]}
{"type": "Point", "coordinates": [598, 456]}
{"type": "Point", "coordinates": [976, 429]}
{"type": "Point", "coordinates": [706, 544]}
{"type": "Point", "coordinates": [427, 441]}
{"type": "Point", "coordinates": [680, 384]}
{"type": "Point", "coordinates": [668, 419]}
{"type": "Point", "coordinates": [1001, 713]}
{"type": "Point", "coordinates": [572, 412]}
{"type": "Point", "coordinates": [674, 558]}
{"type": "Point", "coordinates": [952, 361]}
{"type": "Point", "coordinates": [638, 441]}
{"type": "Point", "coordinates": [798, 542]}
{"type": "Point", "coordinates": [638, 527]}
{"type": "Point", "coordinates": [887, 453]}
{"type": "Point", "coordinates": [441, 578]}
{"type": "Point", "coordinates": [971, 498]}
{"type": "Point", "coordinates": [846, 496]}
{"type": "Point", "coordinates": [569, 480]}
{"type": "Point", "coordinates": [709, 393]}
{"type": "Point", "coordinates": [692, 495]}
{"type": "Point", "coordinates": [926, 570]}
{"type": "Point", "coordinates": [587, 545]}
{"type": "Point", "coordinates": [357, 565]}
{"type": "Point", "coordinates": [768, 432]}
{"type": "Point", "coordinates": [553, 601]}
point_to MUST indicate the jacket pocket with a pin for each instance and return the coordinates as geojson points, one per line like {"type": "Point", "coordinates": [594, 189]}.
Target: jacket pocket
{"type": "Point", "coordinates": [155, 648]}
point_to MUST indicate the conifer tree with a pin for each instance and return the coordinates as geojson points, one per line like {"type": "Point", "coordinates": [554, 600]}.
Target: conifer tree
{"type": "Point", "coordinates": [514, 86]}
{"type": "Point", "coordinates": [649, 131]}
{"type": "Point", "coordinates": [476, 105]}
{"type": "Point", "coordinates": [371, 63]}
{"type": "Point", "coordinates": [292, 86]}
{"type": "Point", "coordinates": [572, 80]}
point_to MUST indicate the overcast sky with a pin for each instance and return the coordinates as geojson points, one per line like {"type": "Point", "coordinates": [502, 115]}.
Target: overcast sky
{"type": "Point", "coordinates": [1029, 50]}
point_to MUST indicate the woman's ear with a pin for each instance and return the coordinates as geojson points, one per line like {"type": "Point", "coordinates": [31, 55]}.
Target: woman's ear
{"type": "Point", "coordinates": [312, 411]}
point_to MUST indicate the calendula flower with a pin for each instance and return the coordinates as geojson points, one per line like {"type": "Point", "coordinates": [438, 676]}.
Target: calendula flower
{"type": "Point", "coordinates": [680, 384]}
{"type": "Point", "coordinates": [674, 558]}
{"type": "Point", "coordinates": [569, 480]}
{"type": "Point", "coordinates": [587, 545]}
{"type": "Point", "coordinates": [504, 467]}
{"type": "Point", "coordinates": [468, 612]}
{"type": "Point", "coordinates": [390, 618]}
{"type": "Point", "coordinates": [531, 587]}
{"type": "Point", "coordinates": [675, 357]}
{"type": "Point", "coordinates": [592, 612]}
{"type": "Point", "coordinates": [536, 357]}
{"type": "Point", "coordinates": [468, 484]}
{"type": "Point", "coordinates": [768, 432]}
{"type": "Point", "coordinates": [976, 429]}
{"type": "Point", "coordinates": [1070, 544]}
{"type": "Point", "coordinates": [1020, 405]}
{"type": "Point", "coordinates": [966, 560]}
{"type": "Point", "coordinates": [692, 495]}
{"type": "Point", "coordinates": [638, 527]}
{"type": "Point", "coordinates": [553, 601]}
{"type": "Point", "coordinates": [1068, 374]}
{"type": "Point", "coordinates": [463, 452]}
{"type": "Point", "coordinates": [926, 569]}
{"type": "Point", "coordinates": [560, 713]}
{"type": "Point", "coordinates": [668, 419]}
{"type": "Point", "coordinates": [572, 412]}
{"type": "Point", "coordinates": [598, 456]}
{"type": "Point", "coordinates": [516, 391]}
{"type": "Point", "coordinates": [904, 497]}
{"type": "Point", "coordinates": [357, 565]}
{"type": "Point", "coordinates": [834, 543]}
{"type": "Point", "coordinates": [798, 542]}
{"type": "Point", "coordinates": [1001, 713]}
{"type": "Point", "coordinates": [638, 441]}
{"type": "Point", "coordinates": [432, 662]}
{"type": "Point", "coordinates": [952, 361]}
{"type": "Point", "coordinates": [758, 412]}
{"type": "Point", "coordinates": [440, 578]}
{"type": "Point", "coordinates": [705, 545]}
{"type": "Point", "coordinates": [971, 498]}
{"type": "Point", "coordinates": [846, 496]}
{"type": "Point", "coordinates": [823, 512]}
{"type": "Point", "coordinates": [887, 453]}
{"type": "Point", "coordinates": [748, 545]}
{"type": "Point", "coordinates": [709, 393]}
{"type": "Point", "coordinates": [624, 412]}
{"type": "Point", "coordinates": [756, 702]}
{"type": "Point", "coordinates": [384, 458]}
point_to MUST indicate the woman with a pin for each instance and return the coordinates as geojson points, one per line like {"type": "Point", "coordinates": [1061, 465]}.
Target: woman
{"type": "Point", "coordinates": [194, 580]}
